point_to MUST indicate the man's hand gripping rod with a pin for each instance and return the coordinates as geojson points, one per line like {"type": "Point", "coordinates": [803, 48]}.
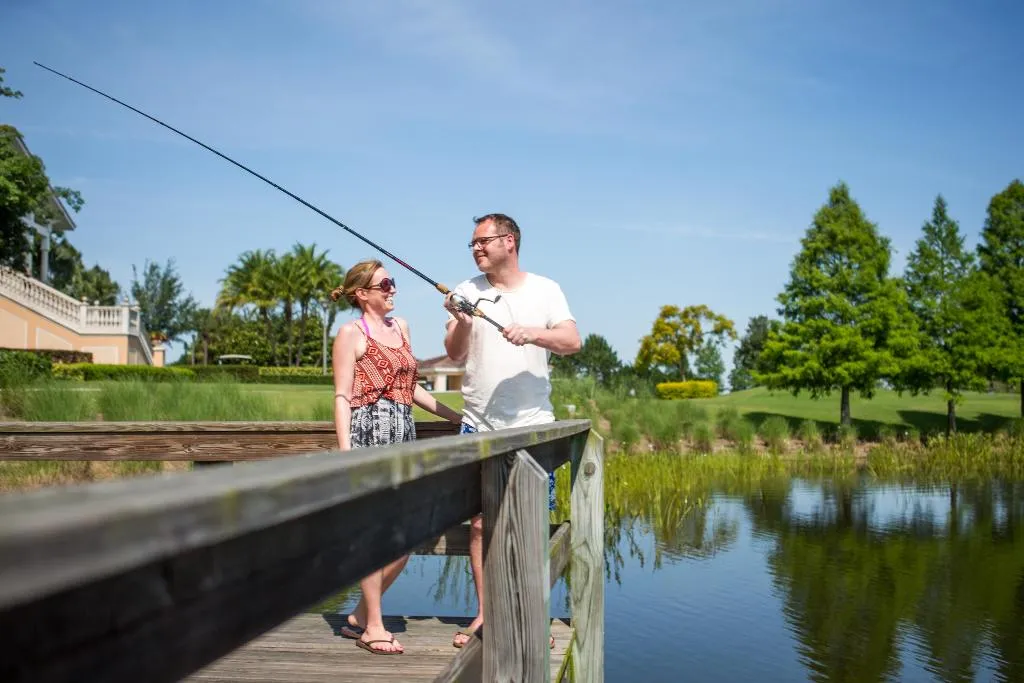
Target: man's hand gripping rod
{"type": "Point", "coordinates": [461, 302]}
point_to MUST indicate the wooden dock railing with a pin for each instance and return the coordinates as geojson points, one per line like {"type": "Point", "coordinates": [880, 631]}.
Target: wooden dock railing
{"type": "Point", "coordinates": [152, 579]}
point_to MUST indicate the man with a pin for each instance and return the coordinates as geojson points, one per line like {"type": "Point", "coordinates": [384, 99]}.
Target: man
{"type": "Point", "coordinates": [506, 382]}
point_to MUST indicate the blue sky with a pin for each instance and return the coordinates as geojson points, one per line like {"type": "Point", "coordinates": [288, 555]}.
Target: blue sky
{"type": "Point", "coordinates": [653, 152]}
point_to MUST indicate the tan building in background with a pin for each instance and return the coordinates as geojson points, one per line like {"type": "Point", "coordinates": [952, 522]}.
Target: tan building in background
{"type": "Point", "coordinates": [441, 373]}
{"type": "Point", "coordinates": [34, 315]}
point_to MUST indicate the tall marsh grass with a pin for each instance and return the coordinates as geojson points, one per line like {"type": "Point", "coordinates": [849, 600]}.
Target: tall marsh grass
{"type": "Point", "coordinates": [962, 457]}
{"type": "Point", "coordinates": [50, 401]}
{"type": "Point", "coordinates": [124, 401]}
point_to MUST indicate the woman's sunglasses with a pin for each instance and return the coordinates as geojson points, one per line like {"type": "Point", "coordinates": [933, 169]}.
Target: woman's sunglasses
{"type": "Point", "coordinates": [386, 285]}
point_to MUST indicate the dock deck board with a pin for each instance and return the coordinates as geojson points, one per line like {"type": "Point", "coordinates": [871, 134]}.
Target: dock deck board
{"type": "Point", "coordinates": [311, 648]}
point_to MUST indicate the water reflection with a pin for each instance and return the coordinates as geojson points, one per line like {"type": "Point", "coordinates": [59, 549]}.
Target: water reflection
{"type": "Point", "coordinates": [875, 579]}
{"type": "Point", "coordinates": [841, 578]}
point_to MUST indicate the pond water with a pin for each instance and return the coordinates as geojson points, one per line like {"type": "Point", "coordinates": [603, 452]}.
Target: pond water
{"type": "Point", "coordinates": [797, 580]}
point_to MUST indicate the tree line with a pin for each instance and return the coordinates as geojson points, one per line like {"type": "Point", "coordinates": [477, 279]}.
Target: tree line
{"type": "Point", "coordinates": [953, 322]}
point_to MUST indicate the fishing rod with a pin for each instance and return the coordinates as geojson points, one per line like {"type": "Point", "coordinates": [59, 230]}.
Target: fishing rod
{"type": "Point", "coordinates": [460, 302]}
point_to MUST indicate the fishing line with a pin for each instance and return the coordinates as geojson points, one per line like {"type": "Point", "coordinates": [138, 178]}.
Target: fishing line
{"type": "Point", "coordinates": [461, 302]}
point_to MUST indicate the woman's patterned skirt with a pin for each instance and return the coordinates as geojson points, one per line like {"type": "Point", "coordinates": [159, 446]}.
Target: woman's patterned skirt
{"type": "Point", "coordinates": [381, 424]}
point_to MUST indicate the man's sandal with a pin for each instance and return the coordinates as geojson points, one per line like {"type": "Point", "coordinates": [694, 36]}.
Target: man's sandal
{"type": "Point", "coordinates": [470, 635]}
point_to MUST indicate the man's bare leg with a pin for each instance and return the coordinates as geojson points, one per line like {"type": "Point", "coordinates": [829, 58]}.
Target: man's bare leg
{"type": "Point", "coordinates": [476, 563]}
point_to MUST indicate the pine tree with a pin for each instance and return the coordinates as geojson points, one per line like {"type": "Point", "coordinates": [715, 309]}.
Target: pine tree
{"type": "Point", "coordinates": [962, 328]}
{"type": "Point", "coordinates": [846, 325]}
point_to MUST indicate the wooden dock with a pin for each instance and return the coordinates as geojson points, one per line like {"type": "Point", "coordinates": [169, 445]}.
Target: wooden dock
{"type": "Point", "coordinates": [311, 649]}
{"type": "Point", "coordinates": [205, 575]}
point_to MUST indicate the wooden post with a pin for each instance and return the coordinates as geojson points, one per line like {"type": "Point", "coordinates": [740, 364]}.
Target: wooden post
{"type": "Point", "coordinates": [587, 564]}
{"type": "Point", "coordinates": [516, 593]}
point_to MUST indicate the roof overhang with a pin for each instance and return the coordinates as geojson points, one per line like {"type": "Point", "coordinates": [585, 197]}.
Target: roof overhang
{"type": "Point", "coordinates": [64, 220]}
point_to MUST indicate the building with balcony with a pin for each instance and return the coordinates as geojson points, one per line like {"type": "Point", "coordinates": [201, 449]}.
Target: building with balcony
{"type": "Point", "coordinates": [34, 315]}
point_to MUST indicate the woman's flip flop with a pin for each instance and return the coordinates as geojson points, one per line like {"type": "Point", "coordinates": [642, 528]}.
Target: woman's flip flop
{"type": "Point", "coordinates": [368, 646]}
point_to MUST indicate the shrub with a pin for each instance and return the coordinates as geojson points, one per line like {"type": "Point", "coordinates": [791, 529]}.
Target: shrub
{"type": "Point", "coordinates": [56, 355]}
{"type": "Point", "coordinates": [810, 435]}
{"type": "Point", "coordinates": [74, 372]}
{"type": "Point", "coordinates": [703, 438]}
{"type": "Point", "coordinates": [20, 367]}
{"type": "Point", "coordinates": [846, 437]}
{"type": "Point", "coordinates": [664, 430]}
{"type": "Point", "coordinates": [246, 374]}
{"type": "Point", "coordinates": [743, 436]}
{"type": "Point", "coordinates": [886, 434]}
{"type": "Point", "coordinates": [688, 389]}
{"type": "Point", "coordinates": [294, 375]}
{"type": "Point", "coordinates": [775, 432]}
{"type": "Point", "coordinates": [626, 433]}
{"type": "Point", "coordinates": [727, 420]}
{"type": "Point", "coordinates": [92, 372]}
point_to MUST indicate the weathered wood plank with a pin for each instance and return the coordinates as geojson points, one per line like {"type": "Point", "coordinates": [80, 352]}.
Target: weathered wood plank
{"type": "Point", "coordinates": [172, 564]}
{"type": "Point", "coordinates": [587, 564]}
{"type": "Point", "coordinates": [516, 574]}
{"type": "Point", "coordinates": [468, 664]}
{"type": "Point", "coordinates": [177, 441]}
{"type": "Point", "coordinates": [309, 648]}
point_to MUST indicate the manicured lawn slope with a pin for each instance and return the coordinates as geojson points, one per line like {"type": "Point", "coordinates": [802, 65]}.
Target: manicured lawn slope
{"type": "Point", "coordinates": [978, 412]}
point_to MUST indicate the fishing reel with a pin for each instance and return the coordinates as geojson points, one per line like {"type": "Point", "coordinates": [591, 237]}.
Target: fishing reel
{"type": "Point", "coordinates": [463, 304]}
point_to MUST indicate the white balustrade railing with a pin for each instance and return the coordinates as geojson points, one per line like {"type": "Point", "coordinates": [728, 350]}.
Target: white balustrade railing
{"type": "Point", "coordinates": [40, 297]}
{"type": "Point", "coordinates": [77, 316]}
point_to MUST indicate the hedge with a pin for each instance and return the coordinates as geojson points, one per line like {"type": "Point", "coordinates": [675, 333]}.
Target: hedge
{"type": "Point", "coordinates": [307, 374]}
{"type": "Point", "coordinates": [248, 374]}
{"type": "Point", "coordinates": [18, 366]}
{"type": "Point", "coordinates": [56, 355]}
{"type": "Point", "coordinates": [91, 372]}
{"type": "Point", "coordinates": [689, 389]}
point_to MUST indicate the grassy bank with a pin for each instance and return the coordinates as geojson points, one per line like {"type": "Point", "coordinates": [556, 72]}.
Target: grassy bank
{"type": "Point", "coordinates": [885, 414]}
{"type": "Point", "coordinates": [56, 401]}
{"type": "Point", "coordinates": [665, 485]}
{"type": "Point", "coordinates": [760, 421]}
{"type": "Point", "coordinates": [770, 425]}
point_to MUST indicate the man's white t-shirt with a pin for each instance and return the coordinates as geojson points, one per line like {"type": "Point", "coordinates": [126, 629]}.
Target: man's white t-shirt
{"type": "Point", "coordinates": [507, 385]}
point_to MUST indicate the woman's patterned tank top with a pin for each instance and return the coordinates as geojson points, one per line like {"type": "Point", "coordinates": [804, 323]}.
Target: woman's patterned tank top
{"type": "Point", "coordinates": [384, 372]}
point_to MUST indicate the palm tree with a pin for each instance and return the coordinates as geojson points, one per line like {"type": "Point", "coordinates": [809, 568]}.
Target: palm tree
{"type": "Point", "coordinates": [286, 278]}
{"type": "Point", "coordinates": [315, 277]}
{"type": "Point", "coordinates": [253, 281]}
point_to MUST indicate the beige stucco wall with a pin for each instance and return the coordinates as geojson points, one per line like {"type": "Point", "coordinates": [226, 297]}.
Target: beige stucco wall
{"type": "Point", "coordinates": [21, 328]}
{"type": "Point", "coordinates": [443, 380]}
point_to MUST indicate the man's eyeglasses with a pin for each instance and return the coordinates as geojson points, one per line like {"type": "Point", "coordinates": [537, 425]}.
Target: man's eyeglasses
{"type": "Point", "coordinates": [386, 285]}
{"type": "Point", "coordinates": [484, 241]}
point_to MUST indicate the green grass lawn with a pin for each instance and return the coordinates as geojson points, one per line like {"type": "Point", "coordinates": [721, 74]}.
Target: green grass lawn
{"type": "Point", "coordinates": [140, 401]}
{"type": "Point", "coordinates": [927, 414]}
{"type": "Point", "coordinates": [128, 401]}
{"type": "Point", "coordinates": [298, 400]}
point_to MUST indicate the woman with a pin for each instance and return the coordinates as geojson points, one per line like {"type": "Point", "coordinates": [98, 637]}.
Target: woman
{"type": "Point", "coordinates": [374, 389]}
